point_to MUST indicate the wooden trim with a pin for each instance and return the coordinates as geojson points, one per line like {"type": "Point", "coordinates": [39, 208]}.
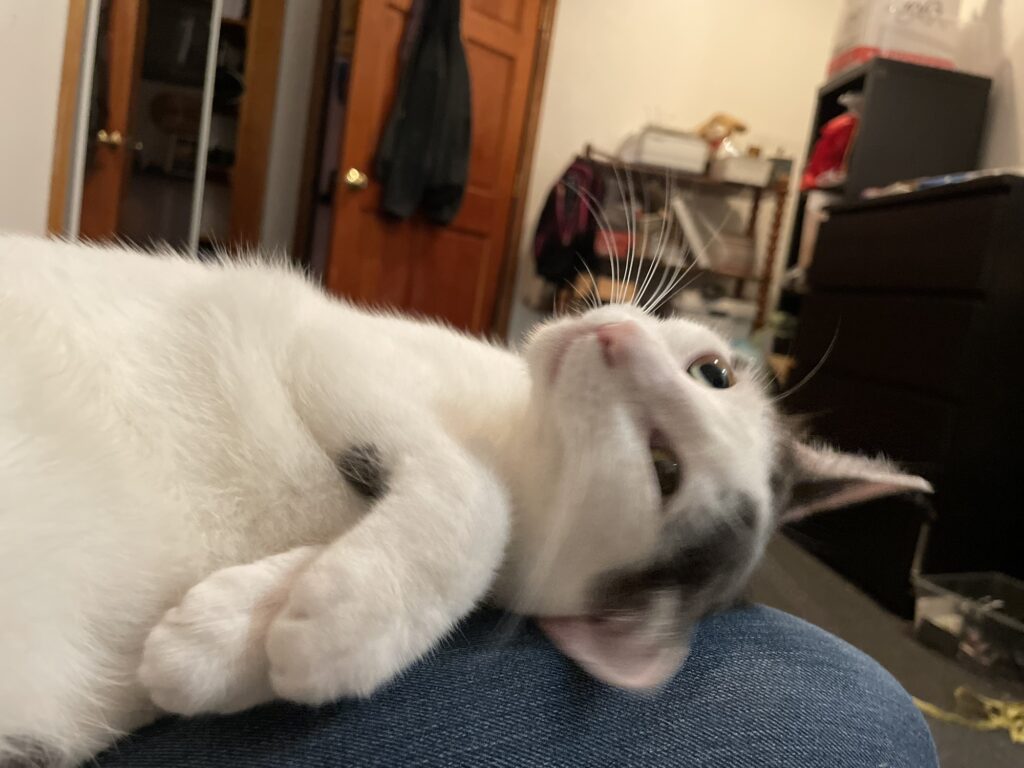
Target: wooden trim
{"type": "Point", "coordinates": [67, 108]}
{"type": "Point", "coordinates": [508, 277]}
{"type": "Point", "coordinates": [330, 11]}
{"type": "Point", "coordinates": [105, 183]}
{"type": "Point", "coordinates": [764, 290]}
{"type": "Point", "coordinates": [256, 121]}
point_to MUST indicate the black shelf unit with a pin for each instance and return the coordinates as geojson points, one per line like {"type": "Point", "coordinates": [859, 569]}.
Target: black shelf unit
{"type": "Point", "coordinates": [927, 291]}
{"type": "Point", "coordinates": [916, 121]}
{"type": "Point", "coordinates": [873, 269]}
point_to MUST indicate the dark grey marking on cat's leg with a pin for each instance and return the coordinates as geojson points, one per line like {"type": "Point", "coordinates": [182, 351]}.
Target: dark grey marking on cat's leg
{"type": "Point", "coordinates": [363, 467]}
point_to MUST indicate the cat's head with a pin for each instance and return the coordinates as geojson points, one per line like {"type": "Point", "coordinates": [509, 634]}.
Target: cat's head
{"type": "Point", "coordinates": [658, 470]}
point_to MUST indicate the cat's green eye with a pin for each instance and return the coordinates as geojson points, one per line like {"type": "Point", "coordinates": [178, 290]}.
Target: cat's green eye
{"type": "Point", "coordinates": [712, 371]}
{"type": "Point", "coordinates": [666, 467]}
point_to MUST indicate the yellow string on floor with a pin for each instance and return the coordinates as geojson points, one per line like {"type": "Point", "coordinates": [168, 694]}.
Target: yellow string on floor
{"type": "Point", "coordinates": [980, 713]}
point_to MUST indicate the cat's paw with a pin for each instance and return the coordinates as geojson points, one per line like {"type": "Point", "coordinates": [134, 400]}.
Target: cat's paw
{"type": "Point", "coordinates": [202, 656]}
{"type": "Point", "coordinates": [208, 654]}
{"type": "Point", "coordinates": [342, 633]}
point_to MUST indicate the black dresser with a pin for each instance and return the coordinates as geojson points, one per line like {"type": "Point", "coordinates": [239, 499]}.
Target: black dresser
{"type": "Point", "coordinates": [924, 296]}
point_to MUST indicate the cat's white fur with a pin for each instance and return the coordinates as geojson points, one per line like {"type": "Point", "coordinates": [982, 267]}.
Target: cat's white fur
{"type": "Point", "coordinates": [168, 436]}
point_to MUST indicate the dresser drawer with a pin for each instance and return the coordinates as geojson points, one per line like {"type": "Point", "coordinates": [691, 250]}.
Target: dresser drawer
{"type": "Point", "coordinates": [870, 418]}
{"type": "Point", "coordinates": [928, 246]}
{"type": "Point", "coordinates": [921, 342]}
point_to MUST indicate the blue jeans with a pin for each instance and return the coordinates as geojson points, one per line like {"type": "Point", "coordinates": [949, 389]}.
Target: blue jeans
{"type": "Point", "coordinates": [761, 688]}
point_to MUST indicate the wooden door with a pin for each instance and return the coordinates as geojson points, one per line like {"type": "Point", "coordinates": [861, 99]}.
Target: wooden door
{"type": "Point", "coordinates": [444, 272]}
{"type": "Point", "coordinates": [119, 59]}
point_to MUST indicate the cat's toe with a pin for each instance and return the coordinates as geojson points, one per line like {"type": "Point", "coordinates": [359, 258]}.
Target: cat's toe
{"type": "Point", "coordinates": [206, 655]}
{"type": "Point", "coordinates": [322, 653]}
{"type": "Point", "coordinates": [172, 671]}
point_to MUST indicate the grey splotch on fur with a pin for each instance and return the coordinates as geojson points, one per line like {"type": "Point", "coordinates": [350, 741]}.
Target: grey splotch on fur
{"type": "Point", "coordinates": [363, 467]}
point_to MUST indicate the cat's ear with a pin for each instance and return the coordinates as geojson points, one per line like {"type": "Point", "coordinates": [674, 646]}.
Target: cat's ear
{"type": "Point", "coordinates": [820, 478]}
{"type": "Point", "coordinates": [627, 652]}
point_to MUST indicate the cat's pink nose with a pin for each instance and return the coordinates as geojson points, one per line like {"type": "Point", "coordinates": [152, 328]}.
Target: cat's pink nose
{"type": "Point", "coordinates": [615, 339]}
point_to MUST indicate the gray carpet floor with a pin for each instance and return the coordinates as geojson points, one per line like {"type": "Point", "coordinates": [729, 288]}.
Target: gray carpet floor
{"type": "Point", "coordinates": [794, 581]}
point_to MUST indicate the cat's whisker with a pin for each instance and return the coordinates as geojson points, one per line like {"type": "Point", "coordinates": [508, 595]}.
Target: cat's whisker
{"type": "Point", "coordinates": [659, 249]}
{"type": "Point", "coordinates": [813, 372]}
{"type": "Point", "coordinates": [614, 264]}
{"type": "Point", "coordinates": [673, 278]}
{"type": "Point", "coordinates": [631, 224]}
{"type": "Point", "coordinates": [585, 298]}
{"type": "Point", "coordinates": [707, 246]}
{"type": "Point", "coordinates": [669, 275]}
{"type": "Point", "coordinates": [603, 224]}
{"type": "Point", "coordinates": [664, 293]}
{"type": "Point", "coordinates": [593, 281]}
{"type": "Point", "coordinates": [664, 241]}
{"type": "Point", "coordinates": [619, 291]}
{"type": "Point", "coordinates": [689, 282]}
{"type": "Point", "coordinates": [673, 287]}
{"type": "Point", "coordinates": [648, 305]}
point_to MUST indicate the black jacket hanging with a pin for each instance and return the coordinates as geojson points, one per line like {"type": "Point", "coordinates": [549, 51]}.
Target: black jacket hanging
{"type": "Point", "coordinates": [423, 156]}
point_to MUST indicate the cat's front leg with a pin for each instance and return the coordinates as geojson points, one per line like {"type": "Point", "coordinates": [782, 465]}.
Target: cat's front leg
{"type": "Point", "coordinates": [382, 595]}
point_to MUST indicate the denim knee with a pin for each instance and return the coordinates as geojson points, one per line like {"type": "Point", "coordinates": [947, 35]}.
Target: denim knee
{"type": "Point", "coordinates": [804, 696]}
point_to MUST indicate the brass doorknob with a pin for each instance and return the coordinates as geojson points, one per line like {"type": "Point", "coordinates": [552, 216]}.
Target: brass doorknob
{"type": "Point", "coordinates": [109, 138]}
{"type": "Point", "coordinates": [356, 179]}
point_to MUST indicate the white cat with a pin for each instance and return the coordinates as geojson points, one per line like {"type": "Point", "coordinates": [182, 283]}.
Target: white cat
{"type": "Point", "coordinates": [218, 486]}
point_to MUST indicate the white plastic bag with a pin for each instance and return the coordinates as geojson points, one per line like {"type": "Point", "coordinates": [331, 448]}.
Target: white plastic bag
{"type": "Point", "coordinates": [922, 32]}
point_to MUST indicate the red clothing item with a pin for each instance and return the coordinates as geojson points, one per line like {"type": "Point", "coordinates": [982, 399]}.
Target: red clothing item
{"type": "Point", "coordinates": [830, 149]}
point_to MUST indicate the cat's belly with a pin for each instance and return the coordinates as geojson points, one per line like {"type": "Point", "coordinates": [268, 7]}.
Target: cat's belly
{"type": "Point", "coordinates": [243, 506]}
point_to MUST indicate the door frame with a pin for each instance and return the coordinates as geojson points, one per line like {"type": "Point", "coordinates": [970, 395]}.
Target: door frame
{"type": "Point", "coordinates": [67, 113]}
{"type": "Point", "coordinates": [105, 184]}
{"type": "Point", "coordinates": [255, 123]}
{"type": "Point", "coordinates": [508, 274]}
{"type": "Point", "coordinates": [316, 129]}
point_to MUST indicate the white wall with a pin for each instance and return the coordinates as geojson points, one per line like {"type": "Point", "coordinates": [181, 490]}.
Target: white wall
{"type": "Point", "coordinates": [31, 56]}
{"type": "Point", "coordinates": [615, 66]}
{"type": "Point", "coordinates": [291, 112]}
{"type": "Point", "coordinates": [999, 53]}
